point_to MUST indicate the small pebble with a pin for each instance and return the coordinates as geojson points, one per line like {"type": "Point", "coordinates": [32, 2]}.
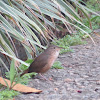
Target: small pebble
{"type": "Point", "coordinates": [98, 82]}
{"type": "Point", "coordinates": [79, 91]}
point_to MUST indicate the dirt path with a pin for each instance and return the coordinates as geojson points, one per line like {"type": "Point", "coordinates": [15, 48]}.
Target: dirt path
{"type": "Point", "coordinates": [79, 80]}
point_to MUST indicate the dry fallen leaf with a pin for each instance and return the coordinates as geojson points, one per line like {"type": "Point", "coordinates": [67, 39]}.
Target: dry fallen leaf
{"type": "Point", "coordinates": [19, 87]}
{"type": "Point", "coordinates": [68, 80]}
{"type": "Point", "coordinates": [56, 89]}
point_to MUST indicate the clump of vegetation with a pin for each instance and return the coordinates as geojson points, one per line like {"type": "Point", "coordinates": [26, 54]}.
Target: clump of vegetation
{"type": "Point", "coordinates": [68, 41]}
{"type": "Point", "coordinates": [93, 4]}
{"type": "Point", "coordinates": [95, 20]}
{"type": "Point", "coordinates": [24, 67]}
{"type": "Point", "coordinates": [6, 94]}
{"type": "Point", "coordinates": [57, 65]}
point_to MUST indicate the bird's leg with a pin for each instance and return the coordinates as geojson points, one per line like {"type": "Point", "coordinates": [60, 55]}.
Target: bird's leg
{"type": "Point", "coordinates": [43, 77]}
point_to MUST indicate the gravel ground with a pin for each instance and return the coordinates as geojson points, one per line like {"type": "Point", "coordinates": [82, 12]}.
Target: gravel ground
{"type": "Point", "coordinates": [79, 80]}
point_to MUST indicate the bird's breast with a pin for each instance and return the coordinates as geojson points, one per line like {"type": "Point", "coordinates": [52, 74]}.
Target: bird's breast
{"type": "Point", "coordinates": [53, 58]}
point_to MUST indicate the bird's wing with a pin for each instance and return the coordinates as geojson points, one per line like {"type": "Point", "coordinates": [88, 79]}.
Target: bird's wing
{"type": "Point", "coordinates": [38, 63]}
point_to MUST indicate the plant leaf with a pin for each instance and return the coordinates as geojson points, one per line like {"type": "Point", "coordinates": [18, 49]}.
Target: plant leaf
{"type": "Point", "coordinates": [19, 87]}
{"type": "Point", "coordinates": [12, 71]}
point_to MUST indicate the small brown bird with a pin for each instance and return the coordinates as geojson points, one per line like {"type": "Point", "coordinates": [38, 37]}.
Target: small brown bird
{"type": "Point", "coordinates": [45, 60]}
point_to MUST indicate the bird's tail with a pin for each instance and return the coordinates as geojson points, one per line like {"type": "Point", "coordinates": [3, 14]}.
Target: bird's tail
{"type": "Point", "coordinates": [26, 71]}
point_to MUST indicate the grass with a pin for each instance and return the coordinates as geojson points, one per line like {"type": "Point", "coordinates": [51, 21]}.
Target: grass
{"type": "Point", "coordinates": [57, 65]}
{"type": "Point", "coordinates": [8, 95]}
{"type": "Point", "coordinates": [95, 6]}
{"type": "Point", "coordinates": [68, 41]}
{"type": "Point", "coordinates": [95, 20]}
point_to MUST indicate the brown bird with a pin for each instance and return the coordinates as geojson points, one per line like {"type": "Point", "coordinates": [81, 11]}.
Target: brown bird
{"type": "Point", "coordinates": [45, 60]}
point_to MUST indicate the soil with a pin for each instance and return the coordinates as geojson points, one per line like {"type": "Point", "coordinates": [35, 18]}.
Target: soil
{"type": "Point", "coordinates": [79, 80]}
